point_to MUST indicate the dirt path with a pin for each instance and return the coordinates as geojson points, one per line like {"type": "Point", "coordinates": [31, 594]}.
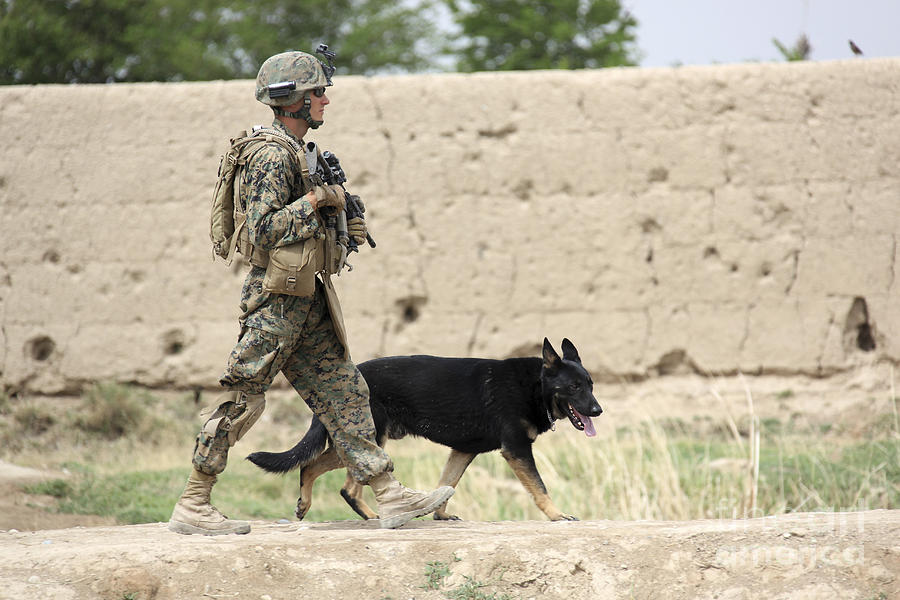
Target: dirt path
{"type": "Point", "coordinates": [802, 556]}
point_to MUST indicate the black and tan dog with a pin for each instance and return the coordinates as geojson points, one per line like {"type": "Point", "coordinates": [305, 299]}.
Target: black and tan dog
{"type": "Point", "coordinates": [472, 405]}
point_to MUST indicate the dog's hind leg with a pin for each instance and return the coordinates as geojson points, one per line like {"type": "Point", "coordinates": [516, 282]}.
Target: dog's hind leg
{"type": "Point", "coordinates": [456, 465]}
{"type": "Point", "coordinates": [522, 463]}
{"type": "Point", "coordinates": [327, 461]}
{"type": "Point", "coordinates": [352, 492]}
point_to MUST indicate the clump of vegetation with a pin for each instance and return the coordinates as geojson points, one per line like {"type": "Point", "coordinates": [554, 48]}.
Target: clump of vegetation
{"type": "Point", "coordinates": [33, 419]}
{"type": "Point", "coordinates": [435, 573]}
{"type": "Point", "coordinates": [111, 411]}
{"type": "Point", "coordinates": [58, 488]}
{"type": "Point", "coordinates": [801, 50]}
{"type": "Point", "coordinates": [471, 589]}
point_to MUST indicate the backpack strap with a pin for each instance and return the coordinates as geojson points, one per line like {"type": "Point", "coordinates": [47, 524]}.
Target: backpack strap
{"type": "Point", "coordinates": [250, 144]}
{"type": "Point", "coordinates": [246, 146]}
{"type": "Point", "coordinates": [294, 149]}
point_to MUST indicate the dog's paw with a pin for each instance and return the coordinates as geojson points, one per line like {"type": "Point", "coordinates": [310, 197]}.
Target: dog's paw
{"type": "Point", "coordinates": [445, 517]}
{"type": "Point", "coordinates": [565, 518]}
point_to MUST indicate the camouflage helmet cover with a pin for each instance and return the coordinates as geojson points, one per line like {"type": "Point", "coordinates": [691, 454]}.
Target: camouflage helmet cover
{"type": "Point", "coordinates": [302, 70]}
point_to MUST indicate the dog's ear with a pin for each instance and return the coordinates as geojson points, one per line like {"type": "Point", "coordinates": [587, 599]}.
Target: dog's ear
{"type": "Point", "coordinates": [551, 358]}
{"type": "Point", "coordinates": [569, 351]}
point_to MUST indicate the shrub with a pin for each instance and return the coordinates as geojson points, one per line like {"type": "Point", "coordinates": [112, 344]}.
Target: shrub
{"type": "Point", "coordinates": [111, 410]}
{"type": "Point", "coordinates": [33, 419]}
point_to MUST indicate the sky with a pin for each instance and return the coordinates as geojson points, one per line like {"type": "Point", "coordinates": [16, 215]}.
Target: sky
{"type": "Point", "coordinates": [702, 32]}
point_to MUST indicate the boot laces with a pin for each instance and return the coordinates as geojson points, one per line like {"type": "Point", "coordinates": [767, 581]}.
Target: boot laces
{"type": "Point", "coordinates": [215, 512]}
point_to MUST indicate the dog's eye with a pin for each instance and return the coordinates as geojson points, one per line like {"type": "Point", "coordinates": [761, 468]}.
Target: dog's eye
{"type": "Point", "coordinates": [574, 387]}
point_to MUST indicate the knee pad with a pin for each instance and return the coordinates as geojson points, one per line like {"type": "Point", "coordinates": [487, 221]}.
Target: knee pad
{"type": "Point", "coordinates": [227, 424]}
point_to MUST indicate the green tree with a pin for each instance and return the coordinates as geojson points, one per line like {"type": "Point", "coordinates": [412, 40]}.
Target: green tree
{"type": "Point", "coordinates": [99, 41]}
{"type": "Point", "coordinates": [537, 34]}
{"type": "Point", "coordinates": [369, 36]}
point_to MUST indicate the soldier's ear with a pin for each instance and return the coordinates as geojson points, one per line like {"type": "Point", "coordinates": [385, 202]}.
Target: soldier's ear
{"type": "Point", "coordinates": [551, 358]}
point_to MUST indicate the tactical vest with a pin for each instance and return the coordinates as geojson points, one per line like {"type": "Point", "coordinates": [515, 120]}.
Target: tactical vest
{"type": "Point", "coordinates": [295, 265]}
{"type": "Point", "coordinates": [290, 269]}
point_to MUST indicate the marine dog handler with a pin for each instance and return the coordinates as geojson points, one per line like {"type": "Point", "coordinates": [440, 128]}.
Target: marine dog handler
{"type": "Point", "coordinates": [292, 323]}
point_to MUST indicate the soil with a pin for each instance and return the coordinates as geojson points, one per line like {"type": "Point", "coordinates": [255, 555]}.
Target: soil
{"type": "Point", "coordinates": [801, 556]}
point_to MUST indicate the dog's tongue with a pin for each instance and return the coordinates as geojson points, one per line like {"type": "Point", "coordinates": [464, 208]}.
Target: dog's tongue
{"type": "Point", "coordinates": [588, 424]}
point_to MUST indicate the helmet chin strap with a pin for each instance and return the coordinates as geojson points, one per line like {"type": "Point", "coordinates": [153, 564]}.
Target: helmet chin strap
{"type": "Point", "coordinates": [303, 113]}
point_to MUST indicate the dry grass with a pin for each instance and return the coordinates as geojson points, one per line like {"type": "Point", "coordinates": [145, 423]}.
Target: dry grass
{"type": "Point", "coordinates": [652, 468]}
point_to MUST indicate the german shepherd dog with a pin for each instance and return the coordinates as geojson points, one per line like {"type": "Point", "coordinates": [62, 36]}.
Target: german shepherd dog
{"type": "Point", "coordinates": [472, 405]}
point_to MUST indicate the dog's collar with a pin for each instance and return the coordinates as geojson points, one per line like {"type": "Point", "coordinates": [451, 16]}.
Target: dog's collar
{"type": "Point", "coordinates": [547, 404]}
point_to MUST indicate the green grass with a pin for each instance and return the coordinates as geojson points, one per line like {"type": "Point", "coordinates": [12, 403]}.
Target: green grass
{"type": "Point", "coordinates": [132, 497]}
{"type": "Point", "coordinates": [472, 590]}
{"type": "Point", "coordinates": [435, 573]}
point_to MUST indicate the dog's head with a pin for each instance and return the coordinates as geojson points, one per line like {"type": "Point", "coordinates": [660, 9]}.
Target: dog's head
{"type": "Point", "coordinates": [568, 388]}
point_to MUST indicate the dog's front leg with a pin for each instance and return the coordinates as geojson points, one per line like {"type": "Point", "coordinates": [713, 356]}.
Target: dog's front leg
{"type": "Point", "coordinates": [456, 465]}
{"type": "Point", "coordinates": [521, 460]}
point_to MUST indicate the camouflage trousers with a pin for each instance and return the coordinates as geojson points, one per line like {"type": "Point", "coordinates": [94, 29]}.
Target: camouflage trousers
{"type": "Point", "coordinates": [311, 357]}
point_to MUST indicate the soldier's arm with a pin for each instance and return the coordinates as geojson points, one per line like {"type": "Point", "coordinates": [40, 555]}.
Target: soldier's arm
{"type": "Point", "coordinates": [273, 220]}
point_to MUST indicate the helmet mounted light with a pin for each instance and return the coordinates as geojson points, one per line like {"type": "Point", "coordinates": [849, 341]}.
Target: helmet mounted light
{"type": "Point", "coordinates": [282, 90]}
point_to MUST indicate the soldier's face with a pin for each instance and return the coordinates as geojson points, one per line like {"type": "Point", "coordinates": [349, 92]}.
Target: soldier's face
{"type": "Point", "coordinates": [317, 105]}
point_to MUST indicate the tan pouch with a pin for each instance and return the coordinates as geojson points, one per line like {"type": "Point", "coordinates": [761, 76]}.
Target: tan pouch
{"type": "Point", "coordinates": [292, 269]}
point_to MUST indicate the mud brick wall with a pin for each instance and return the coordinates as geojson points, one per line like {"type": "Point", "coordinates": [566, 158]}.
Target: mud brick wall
{"type": "Point", "coordinates": [715, 219]}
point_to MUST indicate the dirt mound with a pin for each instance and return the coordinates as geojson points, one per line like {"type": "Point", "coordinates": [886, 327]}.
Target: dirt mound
{"type": "Point", "coordinates": [801, 556]}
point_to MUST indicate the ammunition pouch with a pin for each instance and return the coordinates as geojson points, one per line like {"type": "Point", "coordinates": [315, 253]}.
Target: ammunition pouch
{"type": "Point", "coordinates": [256, 255]}
{"type": "Point", "coordinates": [226, 425]}
{"type": "Point", "coordinates": [292, 269]}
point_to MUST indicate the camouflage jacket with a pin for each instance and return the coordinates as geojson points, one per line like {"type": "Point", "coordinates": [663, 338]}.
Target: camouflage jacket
{"type": "Point", "coordinates": [271, 189]}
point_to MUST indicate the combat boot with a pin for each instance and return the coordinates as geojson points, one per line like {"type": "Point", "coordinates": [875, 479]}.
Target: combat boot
{"type": "Point", "coordinates": [397, 505]}
{"type": "Point", "coordinates": [194, 514]}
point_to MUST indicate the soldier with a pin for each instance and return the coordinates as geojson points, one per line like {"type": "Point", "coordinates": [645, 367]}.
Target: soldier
{"type": "Point", "coordinates": [294, 329]}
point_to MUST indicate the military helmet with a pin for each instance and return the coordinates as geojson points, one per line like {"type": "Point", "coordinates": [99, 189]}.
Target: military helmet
{"type": "Point", "coordinates": [284, 78]}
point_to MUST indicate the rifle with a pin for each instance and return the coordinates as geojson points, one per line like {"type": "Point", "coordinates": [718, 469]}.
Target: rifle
{"type": "Point", "coordinates": [354, 209]}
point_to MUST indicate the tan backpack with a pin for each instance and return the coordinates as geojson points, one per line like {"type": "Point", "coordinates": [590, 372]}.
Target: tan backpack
{"type": "Point", "coordinates": [227, 217]}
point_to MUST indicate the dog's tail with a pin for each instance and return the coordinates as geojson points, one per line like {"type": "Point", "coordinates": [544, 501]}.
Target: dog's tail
{"type": "Point", "coordinates": [306, 450]}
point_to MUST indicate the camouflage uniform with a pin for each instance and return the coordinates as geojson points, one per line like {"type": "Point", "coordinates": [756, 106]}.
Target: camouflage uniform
{"type": "Point", "coordinates": [294, 334]}
{"type": "Point", "coordinates": [301, 336]}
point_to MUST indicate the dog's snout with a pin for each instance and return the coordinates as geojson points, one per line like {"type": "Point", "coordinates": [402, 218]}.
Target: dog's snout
{"type": "Point", "coordinates": [596, 411]}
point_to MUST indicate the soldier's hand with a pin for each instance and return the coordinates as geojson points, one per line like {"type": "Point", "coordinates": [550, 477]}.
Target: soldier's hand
{"type": "Point", "coordinates": [311, 198]}
{"type": "Point", "coordinates": [329, 195]}
{"type": "Point", "coordinates": [356, 228]}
